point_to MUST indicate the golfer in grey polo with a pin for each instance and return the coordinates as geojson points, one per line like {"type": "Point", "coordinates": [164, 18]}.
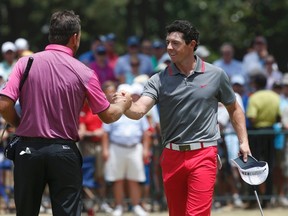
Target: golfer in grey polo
{"type": "Point", "coordinates": [188, 105]}
{"type": "Point", "coordinates": [188, 92]}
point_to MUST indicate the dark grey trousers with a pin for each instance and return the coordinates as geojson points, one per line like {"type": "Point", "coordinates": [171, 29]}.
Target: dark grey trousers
{"type": "Point", "coordinates": [53, 162]}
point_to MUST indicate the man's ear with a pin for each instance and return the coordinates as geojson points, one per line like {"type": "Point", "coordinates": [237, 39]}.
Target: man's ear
{"type": "Point", "coordinates": [73, 42]}
{"type": "Point", "coordinates": [74, 39]}
{"type": "Point", "coordinates": [193, 43]}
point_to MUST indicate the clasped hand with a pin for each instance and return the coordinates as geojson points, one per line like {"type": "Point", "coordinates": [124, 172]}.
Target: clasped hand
{"type": "Point", "coordinates": [122, 97]}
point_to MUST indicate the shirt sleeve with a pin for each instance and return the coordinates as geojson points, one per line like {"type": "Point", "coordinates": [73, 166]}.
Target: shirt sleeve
{"type": "Point", "coordinates": [11, 88]}
{"type": "Point", "coordinates": [151, 89]}
{"type": "Point", "coordinates": [226, 93]}
{"type": "Point", "coordinates": [96, 97]}
{"type": "Point", "coordinates": [251, 109]}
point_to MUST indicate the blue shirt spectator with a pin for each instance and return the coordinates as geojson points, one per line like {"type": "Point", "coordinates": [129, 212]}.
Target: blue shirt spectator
{"type": "Point", "coordinates": [123, 63]}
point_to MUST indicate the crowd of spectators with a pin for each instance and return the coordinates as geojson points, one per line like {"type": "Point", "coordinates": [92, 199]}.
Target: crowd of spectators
{"type": "Point", "coordinates": [261, 90]}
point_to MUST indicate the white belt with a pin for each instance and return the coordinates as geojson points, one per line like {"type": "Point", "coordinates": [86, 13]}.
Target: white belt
{"type": "Point", "coordinates": [190, 146]}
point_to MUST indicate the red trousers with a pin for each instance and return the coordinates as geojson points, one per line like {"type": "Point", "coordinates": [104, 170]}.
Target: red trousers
{"type": "Point", "coordinates": [189, 178]}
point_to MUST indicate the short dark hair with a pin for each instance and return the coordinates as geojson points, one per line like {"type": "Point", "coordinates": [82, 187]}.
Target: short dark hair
{"type": "Point", "coordinates": [259, 80]}
{"type": "Point", "coordinates": [189, 31]}
{"type": "Point", "coordinates": [63, 24]}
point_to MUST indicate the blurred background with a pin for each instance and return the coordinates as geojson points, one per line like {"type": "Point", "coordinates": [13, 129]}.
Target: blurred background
{"type": "Point", "coordinates": [237, 21]}
{"type": "Point", "coordinates": [107, 22]}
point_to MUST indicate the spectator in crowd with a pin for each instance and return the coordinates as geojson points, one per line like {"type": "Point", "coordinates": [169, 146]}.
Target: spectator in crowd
{"type": "Point", "coordinates": [90, 135]}
{"type": "Point", "coordinates": [125, 148]}
{"type": "Point", "coordinates": [22, 47]}
{"type": "Point", "coordinates": [101, 66]}
{"type": "Point", "coordinates": [255, 59]}
{"type": "Point", "coordinates": [238, 83]}
{"type": "Point", "coordinates": [123, 64]}
{"type": "Point", "coordinates": [228, 63]}
{"type": "Point", "coordinates": [230, 173]}
{"type": "Point", "coordinates": [154, 133]}
{"type": "Point", "coordinates": [9, 58]}
{"type": "Point", "coordinates": [129, 76]}
{"type": "Point", "coordinates": [51, 100]}
{"type": "Point", "coordinates": [273, 75]}
{"type": "Point", "coordinates": [88, 57]}
{"type": "Point", "coordinates": [146, 47]}
{"type": "Point", "coordinates": [163, 62]}
{"type": "Point", "coordinates": [109, 42]}
{"type": "Point", "coordinates": [154, 49]}
{"type": "Point", "coordinates": [158, 50]}
{"type": "Point", "coordinates": [239, 86]}
{"type": "Point", "coordinates": [263, 112]}
{"type": "Point", "coordinates": [281, 181]}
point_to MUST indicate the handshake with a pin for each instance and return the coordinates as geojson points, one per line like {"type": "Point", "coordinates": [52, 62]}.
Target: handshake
{"type": "Point", "coordinates": [122, 98]}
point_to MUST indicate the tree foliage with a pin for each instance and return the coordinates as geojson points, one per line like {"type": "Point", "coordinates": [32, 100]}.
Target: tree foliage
{"type": "Point", "coordinates": [218, 21]}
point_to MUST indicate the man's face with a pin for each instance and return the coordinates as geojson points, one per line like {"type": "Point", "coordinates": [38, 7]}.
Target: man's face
{"type": "Point", "coordinates": [9, 56]}
{"type": "Point", "coordinates": [227, 54]}
{"type": "Point", "coordinates": [177, 49]}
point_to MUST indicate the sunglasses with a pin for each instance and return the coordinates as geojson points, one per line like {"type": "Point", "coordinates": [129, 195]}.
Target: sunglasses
{"type": "Point", "coordinates": [135, 64]}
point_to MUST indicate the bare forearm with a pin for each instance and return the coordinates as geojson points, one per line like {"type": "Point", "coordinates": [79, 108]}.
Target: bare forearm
{"type": "Point", "coordinates": [134, 112]}
{"type": "Point", "coordinates": [139, 108]}
{"type": "Point", "coordinates": [11, 117]}
{"type": "Point", "coordinates": [113, 113]}
{"type": "Point", "coordinates": [239, 125]}
{"type": "Point", "coordinates": [237, 118]}
{"type": "Point", "coordinates": [117, 110]}
{"type": "Point", "coordinates": [8, 111]}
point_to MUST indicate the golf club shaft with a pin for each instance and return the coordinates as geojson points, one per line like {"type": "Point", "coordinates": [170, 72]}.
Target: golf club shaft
{"type": "Point", "coordinates": [262, 214]}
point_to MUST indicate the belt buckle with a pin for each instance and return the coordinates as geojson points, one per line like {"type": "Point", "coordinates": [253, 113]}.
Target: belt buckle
{"type": "Point", "coordinates": [184, 147]}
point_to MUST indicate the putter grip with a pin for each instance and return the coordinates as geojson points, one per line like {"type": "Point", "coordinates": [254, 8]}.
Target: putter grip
{"type": "Point", "coordinates": [26, 72]}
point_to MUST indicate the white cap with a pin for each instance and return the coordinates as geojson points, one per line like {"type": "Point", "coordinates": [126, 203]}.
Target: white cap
{"type": "Point", "coordinates": [137, 88]}
{"type": "Point", "coordinates": [253, 172]}
{"type": "Point", "coordinates": [164, 58]}
{"type": "Point", "coordinates": [125, 87]}
{"type": "Point", "coordinates": [8, 46]}
{"type": "Point", "coordinates": [21, 44]}
{"type": "Point", "coordinates": [202, 51]}
{"type": "Point", "coordinates": [2, 74]}
{"type": "Point", "coordinates": [237, 79]}
{"type": "Point", "coordinates": [142, 79]}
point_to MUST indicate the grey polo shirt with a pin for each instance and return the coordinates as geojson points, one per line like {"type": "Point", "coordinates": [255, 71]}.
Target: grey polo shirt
{"type": "Point", "coordinates": [188, 105]}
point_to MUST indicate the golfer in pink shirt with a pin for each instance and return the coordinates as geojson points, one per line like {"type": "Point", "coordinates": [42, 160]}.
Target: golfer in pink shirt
{"type": "Point", "coordinates": [51, 100]}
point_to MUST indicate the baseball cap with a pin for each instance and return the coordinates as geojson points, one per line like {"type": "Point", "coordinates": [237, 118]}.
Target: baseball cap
{"type": "Point", "coordinates": [100, 49]}
{"type": "Point", "coordinates": [133, 41]}
{"type": "Point", "coordinates": [141, 79]}
{"type": "Point", "coordinates": [111, 37]}
{"type": "Point", "coordinates": [21, 44]}
{"type": "Point", "coordinates": [202, 51]}
{"type": "Point", "coordinates": [253, 172]}
{"type": "Point", "coordinates": [8, 46]}
{"type": "Point", "coordinates": [157, 44]}
{"type": "Point", "coordinates": [125, 87]}
{"type": "Point", "coordinates": [237, 79]}
{"type": "Point", "coordinates": [137, 88]}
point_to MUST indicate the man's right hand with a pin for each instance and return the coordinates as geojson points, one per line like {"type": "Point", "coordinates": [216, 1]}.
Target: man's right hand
{"type": "Point", "coordinates": [122, 97]}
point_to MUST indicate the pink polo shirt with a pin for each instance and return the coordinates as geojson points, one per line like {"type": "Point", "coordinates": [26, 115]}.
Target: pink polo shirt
{"type": "Point", "coordinates": [53, 94]}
